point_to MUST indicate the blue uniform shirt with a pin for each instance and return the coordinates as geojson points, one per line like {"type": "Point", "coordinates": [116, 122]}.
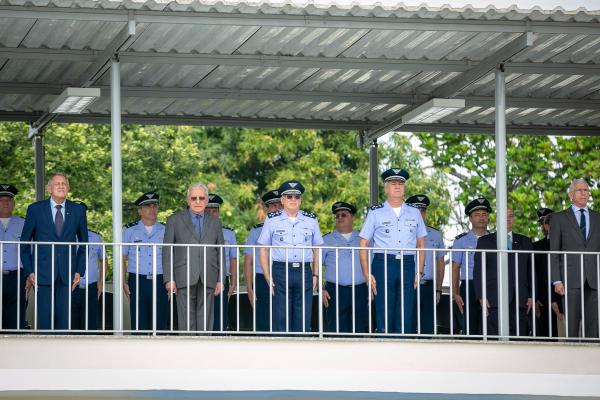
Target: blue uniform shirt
{"type": "Point", "coordinates": [465, 241]}
{"type": "Point", "coordinates": [138, 235]}
{"type": "Point", "coordinates": [385, 230]}
{"type": "Point", "coordinates": [94, 252]}
{"type": "Point", "coordinates": [344, 265]}
{"type": "Point", "coordinates": [10, 252]}
{"type": "Point", "coordinates": [252, 240]}
{"type": "Point", "coordinates": [230, 252]}
{"type": "Point", "coordinates": [432, 241]}
{"type": "Point", "coordinates": [279, 230]}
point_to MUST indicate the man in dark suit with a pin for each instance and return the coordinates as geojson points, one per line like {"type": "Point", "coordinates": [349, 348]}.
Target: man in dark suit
{"type": "Point", "coordinates": [576, 230]}
{"type": "Point", "coordinates": [544, 304]}
{"type": "Point", "coordinates": [202, 268]}
{"type": "Point", "coordinates": [54, 220]}
{"type": "Point", "coordinates": [519, 278]}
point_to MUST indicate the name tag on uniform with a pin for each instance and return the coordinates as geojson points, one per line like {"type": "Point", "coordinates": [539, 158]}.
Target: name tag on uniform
{"type": "Point", "coordinates": [295, 265]}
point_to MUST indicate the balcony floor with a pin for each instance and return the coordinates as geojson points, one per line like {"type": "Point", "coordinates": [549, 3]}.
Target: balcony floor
{"type": "Point", "coordinates": [134, 367]}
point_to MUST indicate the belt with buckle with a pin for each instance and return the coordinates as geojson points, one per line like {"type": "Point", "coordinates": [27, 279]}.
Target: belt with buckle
{"type": "Point", "coordinates": [9, 272]}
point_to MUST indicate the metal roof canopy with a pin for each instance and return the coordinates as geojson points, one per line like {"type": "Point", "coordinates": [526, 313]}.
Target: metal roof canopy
{"type": "Point", "coordinates": [309, 66]}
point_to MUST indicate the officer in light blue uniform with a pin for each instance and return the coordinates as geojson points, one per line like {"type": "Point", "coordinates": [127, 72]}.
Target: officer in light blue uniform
{"type": "Point", "coordinates": [143, 234]}
{"type": "Point", "coordinates": [393, 225]}
{"type": "Point", "coordinates": [346, 294]}
{"type": "Point", "coordinates": [258, 289]}
{"type": "Point", "coordinates": [293, 279]}
{"type": "Point", "coordinates": [231, 265]}
{"type": "Point", "coordinates": [466, 304]}
{"type": "Point", "coordinates": [92, 279]}
{"type": "Point", "coordinates": [434, 255]}
{"type": "Point", "coordinates": [13, 280]}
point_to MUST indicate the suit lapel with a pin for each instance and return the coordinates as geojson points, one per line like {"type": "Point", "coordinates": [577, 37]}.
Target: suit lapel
{"type": "Point", "coordinates": [47, 211]}
{"type": "Point", "coordinates": [187, 221]}
{"type": "Point", "coordinates": [571, 217]}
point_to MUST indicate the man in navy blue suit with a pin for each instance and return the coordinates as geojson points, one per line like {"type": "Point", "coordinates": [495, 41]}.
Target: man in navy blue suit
{"type": "Point", "coordinates": [55, 219]}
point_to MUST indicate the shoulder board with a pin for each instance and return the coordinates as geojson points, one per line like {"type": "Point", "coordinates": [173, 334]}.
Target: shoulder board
{"type": "Point", "coordinates": [328, 233]}
{"type": "Point", "coordinates": [94, 232]}
{"type": "Point", "coordinates": [274, 214]}
{"type": "Point", "coordinates": [308, 214]}
{"type": "Point", "coordinates": [162, 223]}
{"type": "Point", "coordinates": [376, 206]}
{"type": "Point", "coordinates": [258, 225]}
{"type": "Point", "coordinates": [461, 235]}
{"type": "Point", "coordinates": [129, 225]}
{"type": "Point", "coordinates": [228, 228]}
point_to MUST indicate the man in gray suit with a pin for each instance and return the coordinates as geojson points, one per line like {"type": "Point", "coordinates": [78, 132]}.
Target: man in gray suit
{"type": "Point", "coordinates": [577, 229]}
{"type": "Point", "coordinates": [197, 286]}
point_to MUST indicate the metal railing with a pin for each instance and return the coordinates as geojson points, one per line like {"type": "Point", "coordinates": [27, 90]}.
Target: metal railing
{"type": "Point", "coordinates": [398, 305]}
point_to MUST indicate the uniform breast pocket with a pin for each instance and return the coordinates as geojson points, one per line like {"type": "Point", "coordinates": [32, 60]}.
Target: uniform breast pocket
{"type": "Point", "coordinates": [410, 225]}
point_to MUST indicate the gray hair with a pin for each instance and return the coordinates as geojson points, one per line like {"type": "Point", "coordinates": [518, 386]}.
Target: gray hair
{"type": "Point", "coordinates": [55, 174]}
{"type": "Point", "coordinates": [575, 182]}
{"type": "Point", "coordinates": [197, 186]}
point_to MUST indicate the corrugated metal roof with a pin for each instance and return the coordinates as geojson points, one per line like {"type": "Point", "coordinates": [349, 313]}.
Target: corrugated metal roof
{"type": "Point", "coordinates": [300, 65]}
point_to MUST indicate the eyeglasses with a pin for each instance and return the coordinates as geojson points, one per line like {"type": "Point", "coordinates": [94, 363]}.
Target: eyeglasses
{"type": "Point", "coordinates": [197, 198]}
{"type": "Point", "coordinates": [293, 196]}
{"type": "Point", "coordinates": [341, 215]}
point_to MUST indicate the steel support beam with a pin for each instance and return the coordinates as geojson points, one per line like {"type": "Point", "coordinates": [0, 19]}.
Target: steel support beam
{"type": "Point", "coordinates": [373, 174]}
{"type": "Point", "coordinates": [501, 202]}
{"type": "Point", "coordinates": [314, 96]}
{"type": "Point", "coordinates": [304, 20]}
{"type": "Point", "coordinates": [39, 152]}
{"type": "Point", "coordinates": [117, 193]}
{"type": "Point", "coordinates": [342, 63]}
{"type": "Point", "coordinates": [457, 84]}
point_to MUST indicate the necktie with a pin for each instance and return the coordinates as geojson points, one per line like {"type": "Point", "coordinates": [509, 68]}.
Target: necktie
{"type": "Point", "coordinates": [58, 220]}
{"type": "Point", "coordinates": [198, 225]}
{"type": "Point", "coordinates": [509, 242]}
{"type": "Point", "coordinates": [582, 224]}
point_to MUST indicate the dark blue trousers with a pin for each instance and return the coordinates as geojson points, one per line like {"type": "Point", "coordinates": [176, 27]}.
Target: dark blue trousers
{"type": "Point", "coordinates": [145, 301]}
{"type": "Point", "coordinates": [295, 296]}
{"type": "Point", "coordinates": [262, 303]}
{"type": "Point", "coordinates": [79, 313]}
{"type": "Point", "coordinates": [426, 307]}
{"type": "Point", "coordinates": [217, 311]}
{"type": "Point", "coordinates": [61, 305]}
{"type": "Point", "coordinates": [474, 310]}
{"type": "Point", "coordinates": [344, 305]}
{"type": "Point", "coordinates": [393, 321]}
{"type": "Point", "coordinates": [13, 294]}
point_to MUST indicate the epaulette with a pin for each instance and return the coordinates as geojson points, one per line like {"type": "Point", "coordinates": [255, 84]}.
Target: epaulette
{"type": "Point", "coordinates": [228, 228]}
{"type": "Point", "coordinates": [376, 206]}
{"type": "Point", "coordinates": [328, 233]}
{"type": "Point", "coordinates": [129, 225]}
{"type": "Point", "coordinates": [308, 214]}
{"type": "Point", "coordinates": [258, 225]}
{"type": "Point", "coordinates": [461, 235]}
{"type": "Point", "coordinates": [162, 223]}
{"type": "Point", "coordinates": [94, 232]}
{"type": "Point", "coordinates": [274, 214]}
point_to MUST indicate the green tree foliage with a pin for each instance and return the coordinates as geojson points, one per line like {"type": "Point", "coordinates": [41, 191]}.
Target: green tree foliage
{"type": "Point", "coordinates": [539, 170]}
{"type": "Point", "coordinates": [238, 164]}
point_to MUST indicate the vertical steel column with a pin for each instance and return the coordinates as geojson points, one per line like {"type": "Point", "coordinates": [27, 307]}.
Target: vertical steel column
{"type": "Point", "coordinates": [117, 208]}
{"type": "Point", "coordinates": [501, 200]}
{"type": "Point", "coordinates": [373, 174]}
{"type": "Point", "coordinates": [39, 151]}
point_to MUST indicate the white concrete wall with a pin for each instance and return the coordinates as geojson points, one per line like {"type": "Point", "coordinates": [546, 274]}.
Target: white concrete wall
{"type": "Point", "coordinates": [128, 363]}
